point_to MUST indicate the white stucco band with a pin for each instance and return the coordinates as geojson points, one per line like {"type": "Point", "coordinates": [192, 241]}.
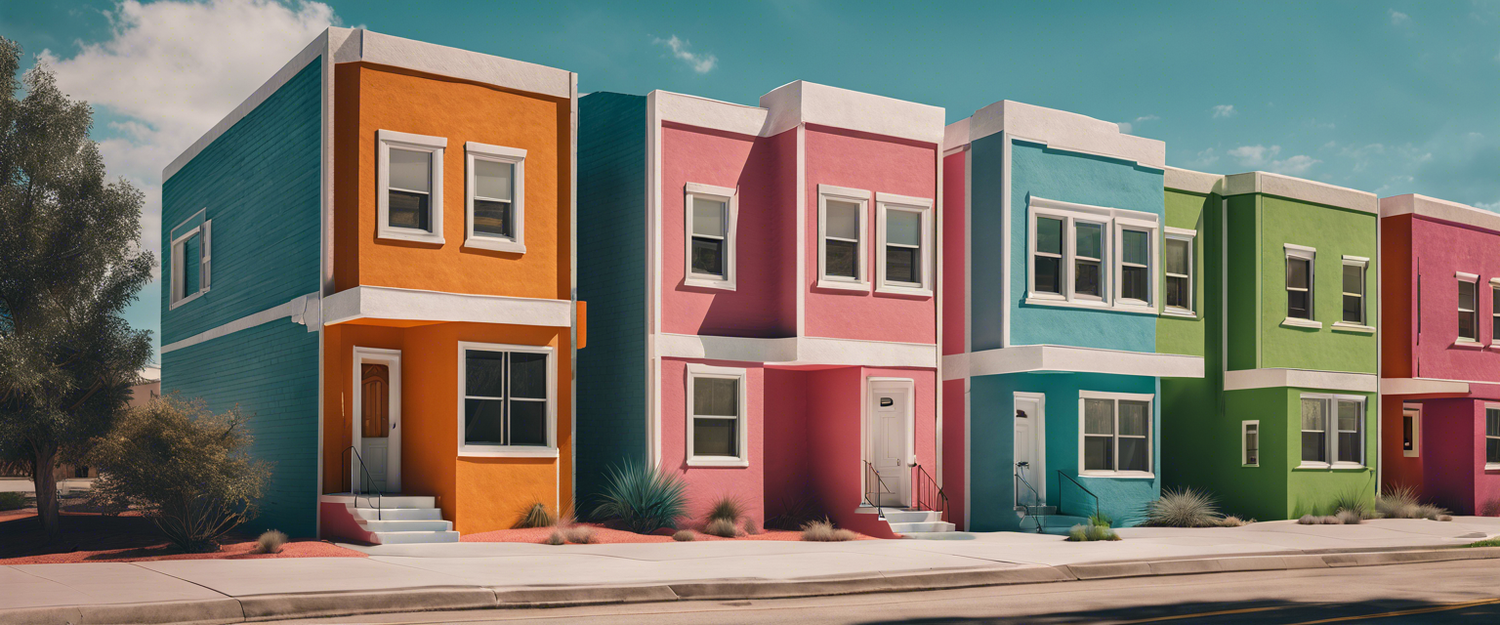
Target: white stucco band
{"type": "Point", "coordinates": [1421, 386]}
{"type": "Point", "coordinates": [1193, 181]}
{"type": "Point", "coordinates": [1063, 130]}
{"type": "Point", "coordinates": [1026, 358]}
{"type": "Point", "coordinates": [794, 351]}
{"type": "Point", "coordinates": [1245, 379]}
{"type": "Point", "coordinates": [1301, 189]}
{"type": "Point", "coordinates": [1423, 206]}
{"type": "Point", "coordinates": [375, 302]}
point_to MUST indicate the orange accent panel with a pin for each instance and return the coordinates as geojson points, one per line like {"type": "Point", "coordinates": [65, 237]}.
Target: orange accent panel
{"type": "Point", "coordinates": [477, 494]}
{"type": "Point", "coordinates": [369, 98]}
{"type": "Point", "coordinates": [582, 323]}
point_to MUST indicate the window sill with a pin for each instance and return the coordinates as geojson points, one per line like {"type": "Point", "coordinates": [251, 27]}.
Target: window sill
{"type": "Point", "coordinates": [495, 245]}
{"type": "Point", "coordinates": [1337, 466]}
{"type": "Point", "coordinates": [507, 452]}
{"type": "Point", "coordinates": [907, 291]}
{"type": "Point", "coordinates": [1249, 466]}
{"type": "Point", "coordinates": [1294, 322]}
{"type": "Point", "coordinates": [1341, 326]}
{"type": "Point", "coordinates": [187, 299]}
{"type": "Point", "coordinates": [825, 283]}
{"type": "Point", "coordinates": [1181, 313]}
{"type": "Point", "coordinates": [1492, 466]}
{"type": "Point", "coordinates": [1409, 454]}
{"type": "Point", "coordinates": [1467, 344]}
{"type": "Point", "coordinates": [1140, 309]}
{"type": "Point", "coordinates": [1124, 475]}
{"type": "Point", "coordinates": [730, 463]}
{"type": "Point", "coordinates": [414, 236]}
{"type": "Point", "coordinates": [709, 283]}
{"type": "Point", "coordinates": [1089, 305]}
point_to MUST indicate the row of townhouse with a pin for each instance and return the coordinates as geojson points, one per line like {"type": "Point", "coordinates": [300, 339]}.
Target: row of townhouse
{"type": "Point", "coordinates": [828, 301]}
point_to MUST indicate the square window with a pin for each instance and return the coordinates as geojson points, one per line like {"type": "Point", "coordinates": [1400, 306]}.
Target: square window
{"type": "Point", "coordinates": [1333, 430]}
{"type": "Point", "coordinates": [1116, 433]}
{"type": "Point", "coordinates": [507, 400]}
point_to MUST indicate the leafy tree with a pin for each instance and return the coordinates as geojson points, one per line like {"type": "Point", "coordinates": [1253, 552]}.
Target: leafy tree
{"type": "Point", "coordinates": [69, 265]}
{"type": "Point", "coordinates": [183, 467]}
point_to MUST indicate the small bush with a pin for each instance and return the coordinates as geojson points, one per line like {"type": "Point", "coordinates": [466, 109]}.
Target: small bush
{"type": "Point", "coordinates": [1400, 503]}
{"type": "Point", "coordinates": [1330, 520]}
{"type": "Point", "coordinates": [1182, 508]}
{"type": "Point", "coordinates": [1307, 519]}
{"type": "Point", "coordinates": [1091, 532]}
{"type": "Point", "coordinates": [183, 467]}
{"type": "Point", "coordinates": [1349, 517]}
{"type": "Point", "coordinates": [1444, 517]}
{"type": "Point", "coordinates": [1101, 519]}
{"type": "Point", "coordinates": [1233, 521]}
{"type": "Point", "coordinates": [555, 538]}
{"type": "Point", "coordinates": [823, 531]}
{"type": "Point", "coordinates": [750, 528]}
{"type": "Point", "coordinates": [1431, 512]}
{"type": "Point", "coordinates": [536, 516]}
{"type": "Point", "coordinates": [723, 528]}
{"type": "Point", "coordinates": [1078, 533]}
{"type": "Point", "coordinates": [1354, 504]}
{"type": "Point", "coordinates": [643, 499]}
{"type": "Point", "coordinates": [726, 508]}
{"type": "Point", "coordinates": [684, 536]}
{"type": "Point", "coordinates": [270, 542]}
{"type": "Point", "coordinates": [1493, 542]}
{"type": "Point", "coordinates": [579, 535]}
{"type": "Point", "coordinates": [12, 501]}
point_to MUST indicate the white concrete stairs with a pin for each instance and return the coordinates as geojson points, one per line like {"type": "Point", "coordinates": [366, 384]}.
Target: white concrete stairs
{"type": "Point", "coordinates": [916, 523]}
{"type": "Point", "coordinates": [397, 519]}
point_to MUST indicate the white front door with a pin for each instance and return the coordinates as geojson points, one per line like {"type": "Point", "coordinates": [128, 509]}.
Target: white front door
{"type": "Point", "coordinates": [1028, 462]}
{"type": "Point", "coordinates": [890, 417]}
{"type": "Point", "coordinates": [377, 420]}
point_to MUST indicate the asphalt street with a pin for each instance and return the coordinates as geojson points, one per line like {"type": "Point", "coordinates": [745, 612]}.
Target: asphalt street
{"type": "Point", "coordinates": [1447, 592]}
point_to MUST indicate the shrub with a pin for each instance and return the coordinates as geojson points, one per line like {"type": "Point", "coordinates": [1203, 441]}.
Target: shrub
{"type": "Point", "coordinates": [823, 531]}
{"type": "Point", "coordinates": [643, 499]}
{"type": "Point", "coordinates": [12, 501]}
{"type": "Point", "coordinates": [1431, 512]}
{"type": "Point", "coordinates": [1354, 504]}
{"type": "Point", "coordinates": [1349, 517]}
{"type": "Point", "coordinates": [750, 528]}
{"type": "Point", "coordinates": [1101, 519]}
{"type": "Point", "coordinates": [1330, 520]}
{"type": "Point", "coordinates": [1400, 503]}
{"type": "Point", "coordinates": [536, 516]}
{"type": "Point", "coordinates": [1182, 508]}
{"type": "Point", "coordinates": [270, 542]}
{"type": "Point", "coordinates": [1490, 508]}
{"type": "Point", "coordinates": [723, 528]}
{"type": "Point", "coordinates": [1307, 519]}
{"type": "Point", "coordinates": [579, 534]}
{"type": "Point", "coordinates": [1493, 542]}
{"type": "Point", "coordinates": [555, 538]}
{"type": "Point", "coordinates": [726, 508]}
{"type": "Point", "coordinates": [1091, 532]}
{"type": "Point", "coordinates": [1233, 521]}
{"type": "Point", "coordinates": [684, 536]}
{"type": "Point", "coordinates": [183, 467]}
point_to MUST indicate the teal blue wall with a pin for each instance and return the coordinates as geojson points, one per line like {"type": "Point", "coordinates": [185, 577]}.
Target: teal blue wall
{"type": "Point", "coordinates": [987, 305]}
{"type": "Point", "coordinates": [611, 405]}
{"type": "Point", "coordinates": [991, 448]}
{"type": "Point", "coordinates": [271, 373]}
{"type": "Point", "coordinates": [260, 185]}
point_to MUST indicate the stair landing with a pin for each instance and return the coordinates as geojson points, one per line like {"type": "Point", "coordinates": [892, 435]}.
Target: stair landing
{"type": "Point", "coordinates": [915, 523]}
{"type": "Point", "coordinates": [385, 520]}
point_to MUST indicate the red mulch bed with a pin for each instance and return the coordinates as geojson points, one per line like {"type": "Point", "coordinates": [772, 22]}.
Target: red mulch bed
{"type": "Point", "coordinates": [608, 536]}
{"type": "Point", "coordinates": [93, 537]}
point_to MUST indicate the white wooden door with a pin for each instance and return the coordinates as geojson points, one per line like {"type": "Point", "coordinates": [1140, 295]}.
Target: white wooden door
{"type": "Point", "coordinates": [1027, 461]}
{"type": "Point", "coordinates": [889, 419]}
{"type": "Point", "coordinates": [377, 419]}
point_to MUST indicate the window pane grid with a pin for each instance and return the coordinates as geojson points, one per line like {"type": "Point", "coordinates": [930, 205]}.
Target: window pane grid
{"type": "Point", "coordinates": [1117, 435]}
{"type": "Point", "coordinates": [715, 416]}
{"type": "Point", "coordinates": [1468, 315]}
{"type": "Point", "coordinates": [505, 398]}
{"type": "Point", "coordinates": [1177, 265]}
{"type": "Point", "coordinates": [1492, 436]}
{"type": "Point", "coordinates": [1299, 288]}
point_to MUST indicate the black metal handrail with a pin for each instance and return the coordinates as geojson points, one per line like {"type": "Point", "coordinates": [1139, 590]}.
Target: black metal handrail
{"type": "Point", "coordinates": [368, 483]}
{"type": "Point", "coordinates": [1031, 509]}
{"type": "Point", "coordinates": [930, 496]}
{"type": "Point", "coordinates": [872, 498]}
{"type": "Point", "coordinates": [1061, 499]}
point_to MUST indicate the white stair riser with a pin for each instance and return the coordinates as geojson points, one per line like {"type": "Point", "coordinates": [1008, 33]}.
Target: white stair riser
{"type": "Point", "coordinates": [400, 514]}
{"type": "Point", "coordinates": [912, 516]}
{"type": "Point", "coordinates": [408, 526]}
{"type": "Point", "coordinates": [387, 502]}
{"type": "Point", "coordinates": [902, 528]}
{"type": "Point", "coordinates": [407, 538]}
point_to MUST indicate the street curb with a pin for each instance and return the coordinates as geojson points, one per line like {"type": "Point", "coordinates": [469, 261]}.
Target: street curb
{"type": "Point", "coordinates": [326, 604]}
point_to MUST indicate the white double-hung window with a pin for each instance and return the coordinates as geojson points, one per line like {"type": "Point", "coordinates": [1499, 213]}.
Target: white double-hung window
{"type": "Point", "coordinates": [1177, 264]}
{"type": "Point", "coordinates": [495, 198]}
{"type": "Point", "coordinates": [1468, 308]}
{"type": "Point", "coordinates": [410, 181]}
{"type": "Point", "coordinates": [1116, 434]}
{"type": "Point", "coordinates": [1353, 312]}
{"type": "Point", "coordinates": [711, 214]}
{"type": "Point", "coordinates": [191, 244]}
{"type": "Point", "coordinates": [904, 232]}
{"type": "Point", "coordinates": [1495, 312]}
{"type": "Point", "coordinates": [1301, 273]}
{"type": "Point", "coordinates": [1092, 256]}
{"type": "Point", "coordinates": [1333, 431]}
{"type": "Point", "coordinates": [717, 434]}
{"type": "Point", "coordinates": [841, 238]}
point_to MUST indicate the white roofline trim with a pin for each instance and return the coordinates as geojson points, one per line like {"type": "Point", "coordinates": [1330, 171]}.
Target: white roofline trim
{"type": "Point", "coordinates": [1422, 386]}
{"type": "Point", "coordinates": [1025, 358]}
{"type": "Point", "coordinates": [798, 103]}
{"type": "Point", "coordinates": [1301, 189]}
{"type": "Point", "coordinates": [378, 302]}
{"type": "Point", "coordinates": [798, 351]}
{"type": "Point", "coordinates": [1434, 208]}
{"type": "Point", "coordinates": [1193, 181]}
{"type": "Point", "coordinates": [1068, 131]}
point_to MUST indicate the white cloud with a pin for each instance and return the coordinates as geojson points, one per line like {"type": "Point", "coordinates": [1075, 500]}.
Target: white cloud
{"type": "Point", "coordinates": [1264, 157]}
{"type": "Point", "coordinates": [701, 63]}
{"type": "Point", "coordinates": [170, 70]}
{"type": "Point", "coordinates": [1205, 158]}
{"type": "Point", "coordinates": [1126, 127]}
{"type": "Point", "coordinates": [1223, 110]}
{"type": "Point", "coordinates": [1398, 18]}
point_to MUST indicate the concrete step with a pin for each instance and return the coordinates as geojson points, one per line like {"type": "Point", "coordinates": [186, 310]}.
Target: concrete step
{"type": "Point", "coordinates": [1037, 510]}
{"type": "Point", "coordinates": [408, 525]}
{"type": "Point", "coordinates": [407, 538]}
{"type": "Point", "coordinates": [400, 514]}
{"type": "Point", "coordinates": [936, 526]}
{"type": "Point", "coordinates": [385, 502]}
{"type": "Point", "coordinates": [912, 516]}
{"type": "Point", "coordinates": [938, 535]}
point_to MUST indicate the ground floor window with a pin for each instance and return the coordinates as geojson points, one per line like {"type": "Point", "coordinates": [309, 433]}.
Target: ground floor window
{"type": "Point", "coordinates": [1492, 436]}
{"type": "Point", "coordinates": [1333, 430]}
{"type": "Point", "coordinates": [716, 407]}
{"type": "Point", "coordinates": [1250, 443]}
{"type": "Point", "coordinates": [1116, 433]}
{"type": "Point", "coordinates": [507, 397]}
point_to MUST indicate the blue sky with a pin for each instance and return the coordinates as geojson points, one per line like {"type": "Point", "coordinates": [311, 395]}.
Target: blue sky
{"type": "Point", "coordinates": [1393, 98]}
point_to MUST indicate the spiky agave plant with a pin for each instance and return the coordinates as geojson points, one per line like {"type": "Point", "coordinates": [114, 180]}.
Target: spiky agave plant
{"type": "Point", "coordinates": [643, 499]}
{"type": "Point", "coordinates": [1183, 508]}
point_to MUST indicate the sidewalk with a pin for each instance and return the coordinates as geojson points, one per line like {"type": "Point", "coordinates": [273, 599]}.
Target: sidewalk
{"type": "Point", "coordinates": [478, 575]}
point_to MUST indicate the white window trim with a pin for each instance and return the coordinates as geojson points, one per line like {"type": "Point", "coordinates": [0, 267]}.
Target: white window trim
{"type": "Point", "coordinates": [1245, 443]}
{"type": "Point", "coordinates": [884, 203]}
{"type": "Point", "coordinates": [179, 249]}
{"type": "Point", "coordinates": [1191, 238]}
{"type": "Point", "coordinates": [1311, 256]}
{"type": "Point", "coordinates": [1153, 268]}
{"type": "Point", "coordinates": [1150, 400]}
{"type": "Point", "coordinates": [516, 158]}
{"type": "Point", "coordinates": [1494, 312]}
{"type": "Point", "coordinates": [1114, 220]}
{"type": "Point", "coordinates": [731, 199]}
{"type": "Point", "coordinates": [1416, 430]}
{"type": "Point", "coordinates": [861, 197]}
{"type": "Point", "coordinates": [1473, 279]}
{"type": "Point", "coordinates": [1364, 298]}
{"type": "Point", "coordinates": [694, 371]}
{"type": "Point", "coordinates": [406, 141]}
{"type": "Point", "coordinates": [1331, 432]}
{"type": "Point", "coordinates": [1489, 466]}
{"type": "Point", "coordinates": [508, 451]}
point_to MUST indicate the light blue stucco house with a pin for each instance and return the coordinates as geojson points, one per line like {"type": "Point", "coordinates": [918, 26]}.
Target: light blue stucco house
{"type": "Point", "coordinates": [1055, 225]}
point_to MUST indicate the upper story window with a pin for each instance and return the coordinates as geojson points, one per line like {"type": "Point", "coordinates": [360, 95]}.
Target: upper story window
{"type": "Point", "coordinates": [1333, 431]}
{"type": "Point", "coordinates": [1495, 311]}
{"type": "Point", "coordinates": [1177, 263]}
{"type": "Point", "coordinates": [711, 214]}
{"type": "Point", "coordinates": [1301, 271]}
{"type": "Point", "coordinates": [1116, 433]}
{"type": "Point", "coordinates": [410, 187]}
{"type": "Point", "coordinates": [507, 395]}
{"type": "Point", "coordinates": [904, 226]}
{"type": "Point", "coordinates": [717, 432]}
{"type": "Point", "coordinates": [1092, 256]}
{"type": "Point", "coordinates": [495, 198]}
{"type": "Point", "coordinates": [1353, 312]}
{"type": "Point", "coordinates": [1468, 308]}
{"type": "Point", "coordinates": [841, 237]}
{"type": "Point", "coordinates": [190, 259]}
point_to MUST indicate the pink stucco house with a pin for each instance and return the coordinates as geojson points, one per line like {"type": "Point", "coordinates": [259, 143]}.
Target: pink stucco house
{"type": "Point", "coordinates": [762, 284]}
{"type": "Point", "coordinates": [1440, 342]}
